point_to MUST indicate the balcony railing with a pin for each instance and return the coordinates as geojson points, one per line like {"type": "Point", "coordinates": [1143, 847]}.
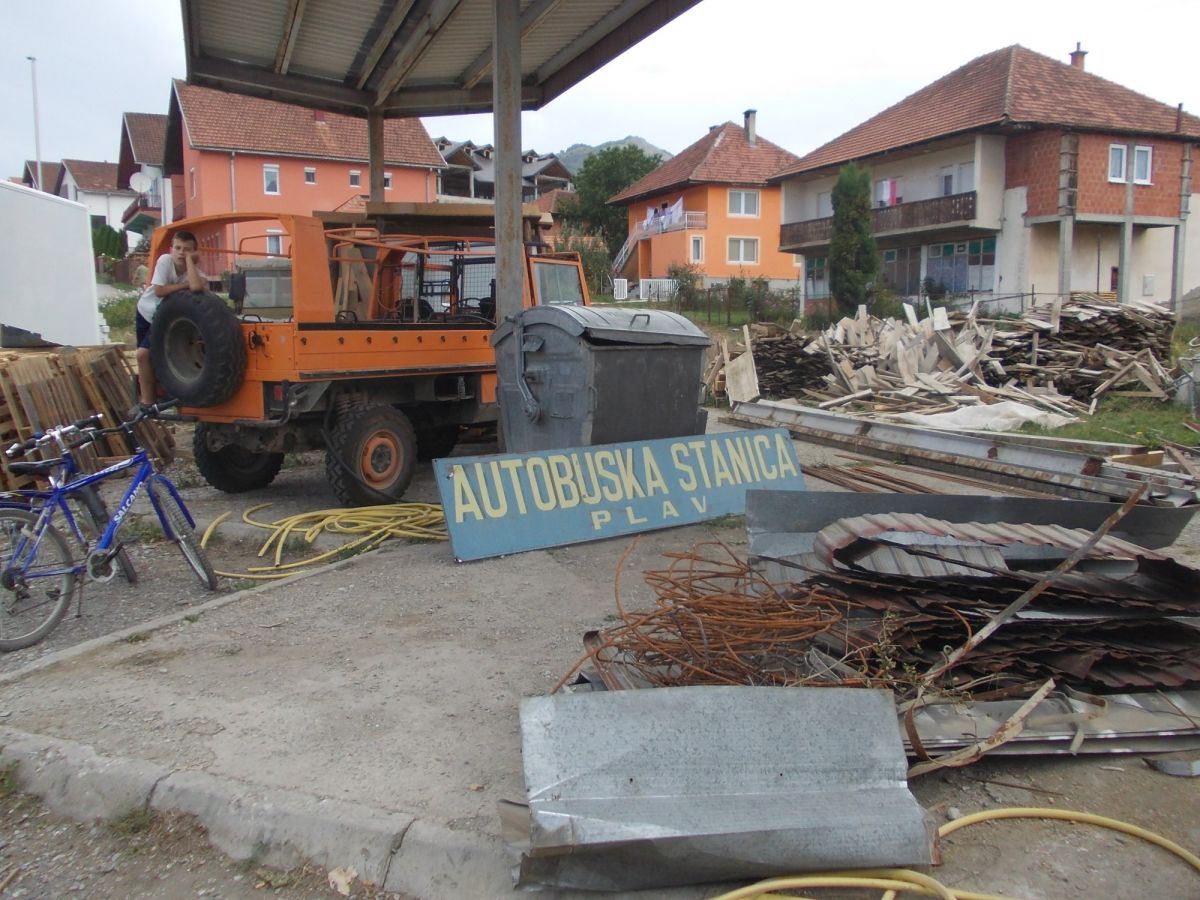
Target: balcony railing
{"type": "Point", "coordinates": [149, 200]}
{"type": "Point", "coordinates": [901, 217]}
{"type": "Point", "coordinates": [648, 228]}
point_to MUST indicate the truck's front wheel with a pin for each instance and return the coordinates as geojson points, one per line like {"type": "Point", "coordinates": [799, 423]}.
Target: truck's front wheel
{"type": "Point", "coordinates": [372, 456]}
{"type": "Point", "coordinates": [233, 469]}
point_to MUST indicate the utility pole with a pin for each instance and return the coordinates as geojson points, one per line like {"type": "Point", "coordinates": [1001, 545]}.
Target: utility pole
{"type": "Point", "coordinates": [37, 140]}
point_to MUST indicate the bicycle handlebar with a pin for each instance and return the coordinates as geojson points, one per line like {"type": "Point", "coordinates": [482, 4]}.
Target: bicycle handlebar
{"type": "Point", "coordinates": [87, 424]}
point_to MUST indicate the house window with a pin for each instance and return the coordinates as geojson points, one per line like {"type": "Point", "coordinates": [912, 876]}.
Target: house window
{"type": "Point", "coordinates": [824, 204]}
{"type": "Point", "coordinates": [966, 177]}
{"type": "Point", "coordinates": [947, 179]}
{"type": "Point", "coordinates": [274, 243]}
{"type": "Point", "coordinates": [743, 203]}
{"type": "Point", "coordinates": [697, 249]}
{"type": "Point", "coordinates": [816, 276]}
{"type": "Point", "coordinates": [310, 175]}
{"type": "Point", "coordinates": [355, 178]}
{"type": "Point", "coordinates": [192, 180]}
{"type": "Point", "coordinates": [1142, 164]}
{"type": "Point", "coordinates": [387, 181]}
{"type": "Point", "coordinates": [963, 267]}
{"type": "Point", "coordinates": [887, 192]}
{"type": "Point", "coordinates": [98, 222]}
{"type": "Point", "coordinates": [743, 250]}
{"type": "Point", "coordinates": [270, 179]}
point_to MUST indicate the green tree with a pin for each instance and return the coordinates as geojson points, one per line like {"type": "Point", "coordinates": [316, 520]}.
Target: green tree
{"type": "Point", "coordinates": [107, 241]}
{"type": "Point", "coordinates": [853, 258]}
{"type": "Point", "coordinates": [603, 174]}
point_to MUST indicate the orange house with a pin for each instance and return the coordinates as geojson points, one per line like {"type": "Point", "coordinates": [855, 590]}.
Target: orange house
{"type": "Point", "coordinates": [234, 153]}
{"type": "Point", "coordinates": [710, 207]}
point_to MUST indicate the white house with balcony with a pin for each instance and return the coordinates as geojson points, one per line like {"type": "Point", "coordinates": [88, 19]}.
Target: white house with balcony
{"type": "Point", "coordinates": [140, 168]}
{"type": "Point", "coordinates": [1012, 175]}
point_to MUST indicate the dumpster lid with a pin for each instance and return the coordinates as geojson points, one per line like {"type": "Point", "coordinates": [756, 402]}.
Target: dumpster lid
{"type": "Point", "coordinates": [610, 323]}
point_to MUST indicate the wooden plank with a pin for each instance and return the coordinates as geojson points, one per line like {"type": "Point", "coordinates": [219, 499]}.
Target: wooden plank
{"type": "Point", "coordinates": [741, 380]}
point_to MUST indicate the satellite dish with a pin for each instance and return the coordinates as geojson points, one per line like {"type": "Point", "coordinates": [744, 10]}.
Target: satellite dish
{"type": "Point", "coordinates": [140, 182]}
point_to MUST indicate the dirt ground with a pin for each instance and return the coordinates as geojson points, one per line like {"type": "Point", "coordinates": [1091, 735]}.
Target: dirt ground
{"type": "Point", "coordinates": [169, 858]}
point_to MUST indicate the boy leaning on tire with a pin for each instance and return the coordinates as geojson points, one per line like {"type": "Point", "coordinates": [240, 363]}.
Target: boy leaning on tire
{"type": "Point", "coordinates": [176, 271]}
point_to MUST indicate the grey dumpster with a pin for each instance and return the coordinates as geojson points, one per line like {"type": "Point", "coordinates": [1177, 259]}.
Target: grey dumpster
{"type": "Point", "coordinates": [574, 376]}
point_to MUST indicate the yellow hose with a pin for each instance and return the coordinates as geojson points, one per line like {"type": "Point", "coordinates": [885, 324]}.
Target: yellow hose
{"type": "Point", "coordinates": [370, 526]}
{"type": "Point", "coordinates": [893, 881]}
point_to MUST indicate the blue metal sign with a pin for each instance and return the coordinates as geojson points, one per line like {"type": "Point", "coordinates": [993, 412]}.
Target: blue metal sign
{"type": "Point", "coordinates": [512, 502]}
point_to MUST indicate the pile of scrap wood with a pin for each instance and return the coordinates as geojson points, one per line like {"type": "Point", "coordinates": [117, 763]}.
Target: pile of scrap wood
{"type": "Point", "coordinates": [1060, 358]}
{"type": "Point", "coordinates": [40, 389]}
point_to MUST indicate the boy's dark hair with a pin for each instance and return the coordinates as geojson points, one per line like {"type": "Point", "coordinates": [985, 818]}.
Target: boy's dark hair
{"type": "Point", "coordinates": [186, 236]}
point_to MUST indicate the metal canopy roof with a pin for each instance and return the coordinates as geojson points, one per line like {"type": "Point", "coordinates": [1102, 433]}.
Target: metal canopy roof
{"type": "Point", "coordinates": [405, 57]}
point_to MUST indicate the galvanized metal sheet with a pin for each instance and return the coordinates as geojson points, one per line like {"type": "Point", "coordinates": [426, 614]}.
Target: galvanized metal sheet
{"type": "Point", "coordinates": [509, 503]}
{"type": "Point", "coordinates": [783, 525]}
{"type": "Point", "coordinates": [643, 789]}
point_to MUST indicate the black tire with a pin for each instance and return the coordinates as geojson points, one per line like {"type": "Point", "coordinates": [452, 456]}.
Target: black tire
{"type": "Point", "coordinates": [98, 513]}
{"type": "Point", "coordinates": [434, 443]}
{"type": "Point", "coordinates": [371, 457]}
{"type": "Point", "coordinates": [233, 469]}
{"type": "Point", "coordinates": [197, 349]}
{"type": "Point", "coordinates": [177, 528]}
{"type": "Point", "coordinates": [30, 607]}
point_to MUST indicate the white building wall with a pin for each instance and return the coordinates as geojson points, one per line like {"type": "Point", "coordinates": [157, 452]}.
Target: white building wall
{"type": "Point", "coordinates": [48, 287]}
{"type": "Point", "coordinates": [989, 180]}
{"type": "Point", "coordinates": [1191, 259]}
{"type": "Point", "coordinates": [1012, 244]}
{"type": "Point", "coordinates": [1153, 249]}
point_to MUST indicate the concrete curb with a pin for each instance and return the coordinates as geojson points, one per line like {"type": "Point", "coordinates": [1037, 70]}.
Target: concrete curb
{"type": "Point", "coordinates": [275, 826]}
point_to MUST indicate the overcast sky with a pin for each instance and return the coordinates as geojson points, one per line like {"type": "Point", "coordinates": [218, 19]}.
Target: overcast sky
{"type": "Point", "coordinates": [810, 73]}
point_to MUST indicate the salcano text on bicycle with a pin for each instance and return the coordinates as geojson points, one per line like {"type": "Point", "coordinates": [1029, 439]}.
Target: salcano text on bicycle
{"type": "Point", "coordinates": [512, 502]}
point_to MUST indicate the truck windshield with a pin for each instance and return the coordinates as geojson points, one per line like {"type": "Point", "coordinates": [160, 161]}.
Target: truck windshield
{"type": "Point", "coordinates": [558, 283]}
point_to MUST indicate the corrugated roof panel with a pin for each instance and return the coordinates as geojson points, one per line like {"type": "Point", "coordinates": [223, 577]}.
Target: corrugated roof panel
{"type": "Point", "coordinates": [330, 37]}
{"type": "Point", "coordinates": [227, 32]}
{"type": "Point", "coordinates": [573, 17]}
{"type": "Point", "coordinates": [466, 34]}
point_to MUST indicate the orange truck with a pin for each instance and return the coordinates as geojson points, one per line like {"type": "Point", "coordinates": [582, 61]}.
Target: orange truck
{"type": "Point", "coordinates": [367, 337]}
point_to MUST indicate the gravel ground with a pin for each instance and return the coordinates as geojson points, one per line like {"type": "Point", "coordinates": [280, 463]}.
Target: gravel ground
{"type": "Point", "coordinates": [138, 856]}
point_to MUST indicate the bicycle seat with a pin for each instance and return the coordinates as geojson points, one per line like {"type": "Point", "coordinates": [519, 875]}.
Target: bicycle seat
{"type": "Point", "coordinates": [37, 467]}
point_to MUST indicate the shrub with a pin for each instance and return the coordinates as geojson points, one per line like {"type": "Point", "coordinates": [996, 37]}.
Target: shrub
{"type": "Point", "coordinates": [118, 311]}
{"type": "Point", "coordinates": [687, 284]}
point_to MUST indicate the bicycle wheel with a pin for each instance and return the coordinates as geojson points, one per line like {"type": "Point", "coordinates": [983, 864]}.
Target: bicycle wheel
{"type": "Point", "coordinates": [98, 513]}
{"type": "Point", "coordinates": [176, 527]}
{"type": "Point", "coordinates": [34, 593]}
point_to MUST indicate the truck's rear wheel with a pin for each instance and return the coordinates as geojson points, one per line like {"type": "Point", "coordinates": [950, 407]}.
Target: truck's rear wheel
{"type": "Point", "coordinates": [197, 348]}
{"type": "Point", "coordinates": [372, 456]}
{"type": "Point", "coordinates": [233, 469]}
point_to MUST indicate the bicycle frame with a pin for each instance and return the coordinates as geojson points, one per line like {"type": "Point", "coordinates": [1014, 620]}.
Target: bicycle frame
{"type": "Point", "coordinates": [55, 500]}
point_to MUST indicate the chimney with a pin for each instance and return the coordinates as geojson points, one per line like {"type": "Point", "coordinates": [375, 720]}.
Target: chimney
{"type": "Point", "coordinates": [751, 134]}
{"type": "Point", "coordinates": [1077, 56]}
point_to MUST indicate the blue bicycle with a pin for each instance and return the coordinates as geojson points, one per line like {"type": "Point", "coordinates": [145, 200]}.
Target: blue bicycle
{"type": "Point", "coordinates": [38, 572]}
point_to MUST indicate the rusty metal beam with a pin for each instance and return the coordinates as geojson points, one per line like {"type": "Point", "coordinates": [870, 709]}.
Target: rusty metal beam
{"type": "Point", "coordinates": [291, 28]}
{"type": "Point", "coordinates": [415, 47]}
{"type": "Point", "coordinates": [386, 35]}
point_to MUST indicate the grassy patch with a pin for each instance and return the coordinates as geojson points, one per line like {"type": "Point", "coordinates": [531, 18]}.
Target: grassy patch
{"type": "Point", "coordinates": [138, 638]}
{"type": "Point", "coordinates": [1129, 420]}
{"type": "Point", "coordinates": [133, 821]}
{"type": "Point", "coordinates": [8, 781]}
{"type": "Point", "coordinates": [1184, 333]}
{"type": "Point", "coordinates": [729, 521]}
{"type": "Point", "coordinates": [142, 528]}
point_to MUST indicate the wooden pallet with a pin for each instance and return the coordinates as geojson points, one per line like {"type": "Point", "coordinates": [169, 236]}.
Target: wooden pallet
{"type": "Point", "coordinates": [40, 389]}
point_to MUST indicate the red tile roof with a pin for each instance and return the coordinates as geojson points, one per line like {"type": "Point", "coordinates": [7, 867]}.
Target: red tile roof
{"type": "Point", "coordinates": [723, 156]}
{"type": "Point", "coordinates": [50, 172]}
{"type": "Point", "coordinates": [1012, 86]}
{"type": "Point", "coordinates": [552, 201]}
{"type": "Point", "coordinates": [215, 120]}
{"type": "Point", "coordinates": [147, 137]}
{"type": "Point", "coordinates": [96, 177]}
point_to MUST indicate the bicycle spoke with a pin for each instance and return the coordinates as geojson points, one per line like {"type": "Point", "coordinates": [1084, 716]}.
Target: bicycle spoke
{"type": "Point", "coordinates": [36, 579]}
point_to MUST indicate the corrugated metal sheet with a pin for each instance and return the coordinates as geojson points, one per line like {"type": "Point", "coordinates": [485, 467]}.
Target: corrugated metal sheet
{"type": "Point", "coordinates": [330, 37]}
{"type": "Point", "coordinates": [241, 32]}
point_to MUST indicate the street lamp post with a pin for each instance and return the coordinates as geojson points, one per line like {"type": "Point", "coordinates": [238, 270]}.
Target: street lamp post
{"type": "Point", "coordinates": [37, 140]}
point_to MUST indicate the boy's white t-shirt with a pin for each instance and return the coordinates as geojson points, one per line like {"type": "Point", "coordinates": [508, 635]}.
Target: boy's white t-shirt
{"type": "Point", "coordinates": [164, 273]}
